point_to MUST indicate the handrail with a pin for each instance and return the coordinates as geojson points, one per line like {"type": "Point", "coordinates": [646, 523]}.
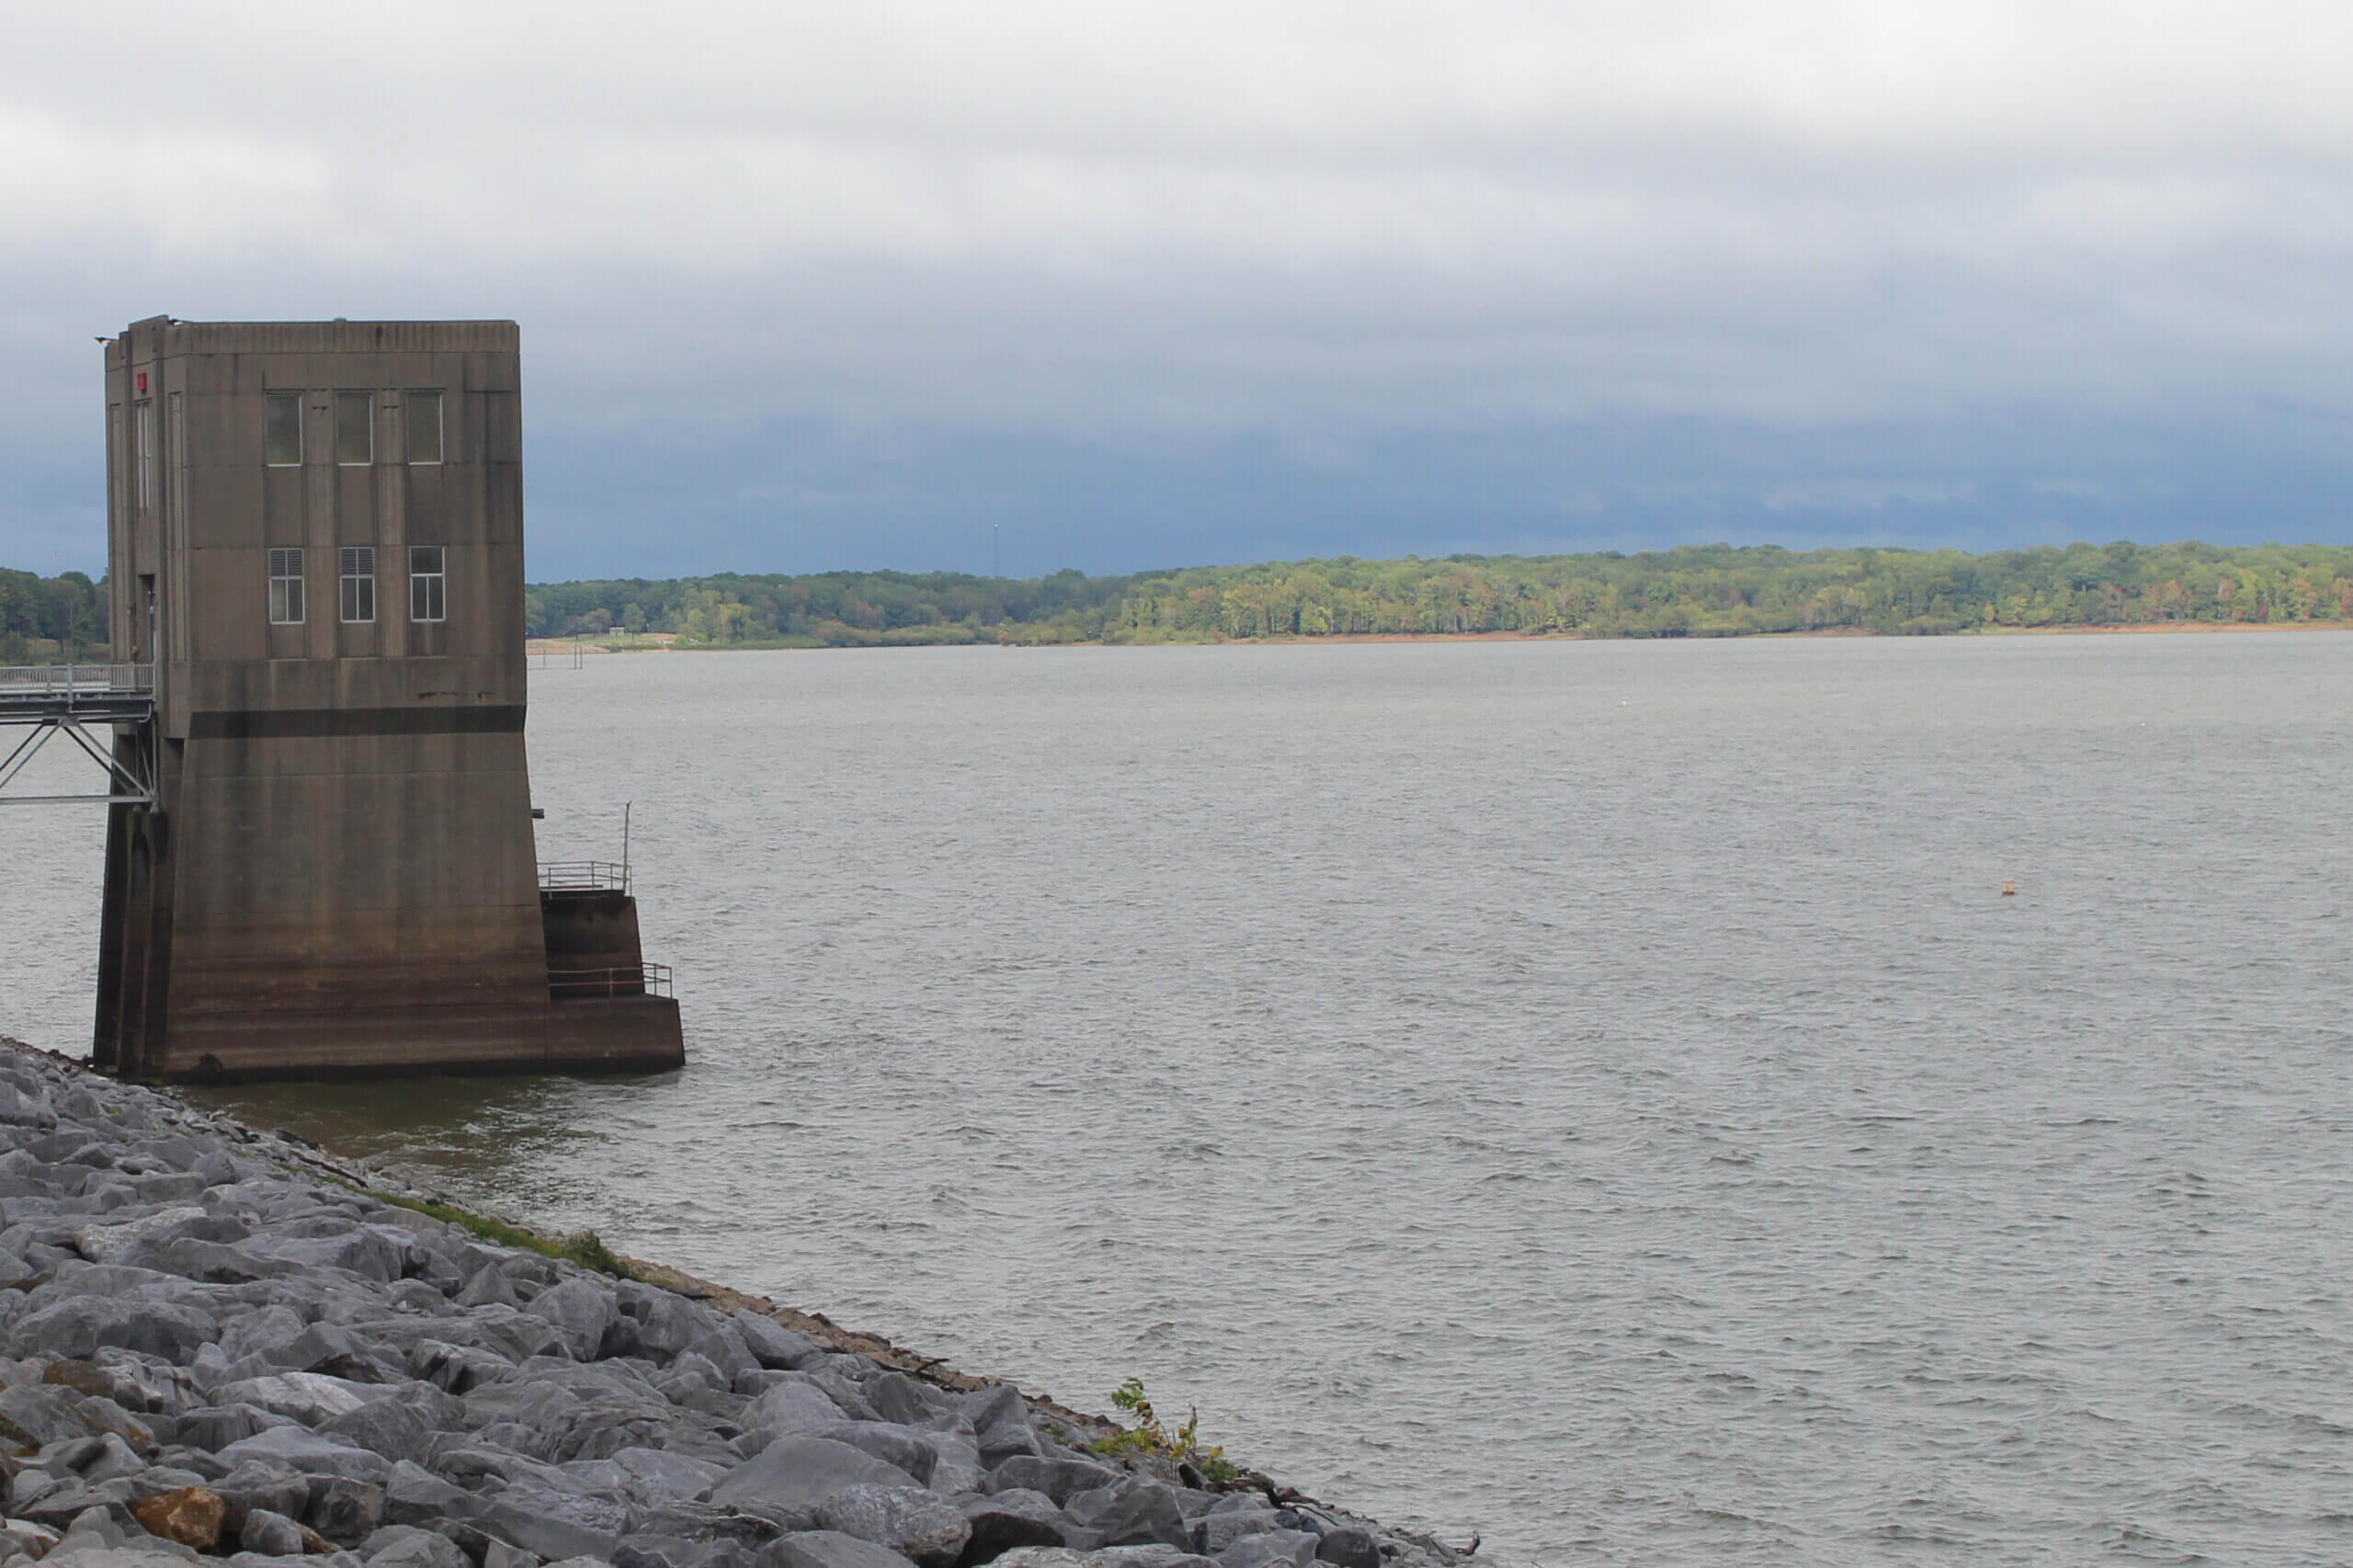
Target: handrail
{"type": "Point", "coordinates": [51, 683]}
{"type": "Point", "coordinates": [642, 980]}
{"type": "Point", "coordinates": [576, 876]}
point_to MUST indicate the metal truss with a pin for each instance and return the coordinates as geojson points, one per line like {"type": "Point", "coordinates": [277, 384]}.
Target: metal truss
{"type": "Point", "coordinates": [131, 782]}
{"type": "Point", "coordinates": [74, 700]}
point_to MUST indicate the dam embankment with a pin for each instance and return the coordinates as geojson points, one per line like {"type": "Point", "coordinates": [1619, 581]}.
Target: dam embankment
{"type": "Point", "coordinates": [219, 1343]}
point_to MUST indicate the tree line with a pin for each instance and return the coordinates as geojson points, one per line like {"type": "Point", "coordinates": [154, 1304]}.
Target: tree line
{"type": "Point", "coordinates": [1702, 591]}
{"type": "Point", "coordinates": [42, 619]}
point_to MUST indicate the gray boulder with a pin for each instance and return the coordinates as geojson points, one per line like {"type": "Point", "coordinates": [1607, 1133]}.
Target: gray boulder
{"type": "Point", "coordinates": [396, 1427]}
{"type": "Point", "coordinates": [215, 1427]}
{"type": "Point", "coordinates": [414, 1496]}
{"type": "Point", "coordinates": [271, 1534]}
{"type": "Point", "coordinates": [1015, 1517]}
{"type": "Point", "coordinates": [1347, 1546]}
{"type": "Point", "coordinates": [1000, 1421]}
{"type": "Point", "coordinates": [344, 1510]}
{"type": "Point", "coordinates": [773, 1345]}
{"type": "Point", "coordinates": [75, 1328]}
{"type": "Point", "coordinates": [828, 1549]}
{"type": "Point", "coordinates": [803, 1471]}
{"type": "Point", "coordinates": [32, 1415]}
{"type": "Point", "coordinates": [659, 1475]}
{"type": "Point", "coordinates": [921, 1526]}
{"type": "Point", "coordinates": [406, 1545]}
{"type": "Point", "coordinates": [455, 1368]}
{"type": "Point", "coordinates": [796, 1406]}
{"type": "Point", "coordinates": [489, 1287]}
{"type": "Point", "coordinates": [898, 1397]}
{"type": "Point", "coordinates": [579, 1310]}
{"type": "Point", "coordinates": [893, 1445]}
{"type": "Point", "coordinates": [106, 1242]}
{"type": "Point", "coordinates": [1058, 1479]}
{"type": "Point", "coordinates": [667, 1324]}
{"type": "Point", "coordinates": [308, 1398]}
{"type": "Point", "coordinates": [376, 1253]}
{"type": "Point", "coordinates": [1144, 1512]}
{"type": "Point", "coordinates": [313, 1453]}
{"type": "Point", "coordinates": [1222, 1527]}
{"type": "Point", "coordinates": [257, 1486]}
{"type": "Point", "coordinates": [550, 1537]}
{"type": "Point", "coordinates": [955, 1465]}
{"type": "Point", "coordinates": [1272, 1548]}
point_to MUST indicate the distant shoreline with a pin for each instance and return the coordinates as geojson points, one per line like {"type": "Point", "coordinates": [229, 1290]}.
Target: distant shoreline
{"type": "Point", "coordinates": [557, 647]}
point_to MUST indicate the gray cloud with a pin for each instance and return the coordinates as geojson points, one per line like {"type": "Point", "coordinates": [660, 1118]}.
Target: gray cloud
{"type": "Point", "coordinates": [1210, 220]}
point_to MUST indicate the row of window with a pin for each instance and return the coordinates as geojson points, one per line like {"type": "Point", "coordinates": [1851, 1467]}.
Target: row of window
{"type": "Point", "coordinates": [428, 583]}
{"type": "Point", "coordinates": [355, 427]}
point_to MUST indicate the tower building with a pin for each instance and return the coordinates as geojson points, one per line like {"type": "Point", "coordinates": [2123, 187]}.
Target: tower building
{"type": "Point", "coordinates": [316, 537]}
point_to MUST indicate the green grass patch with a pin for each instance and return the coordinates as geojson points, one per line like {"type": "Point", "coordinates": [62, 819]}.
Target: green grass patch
{"type": "Point", "coordinates": [583, 1249]}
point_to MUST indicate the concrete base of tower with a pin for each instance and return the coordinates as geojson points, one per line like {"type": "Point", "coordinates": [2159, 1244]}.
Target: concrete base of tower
{"type": "Point", "coordinates": [620, 1034]}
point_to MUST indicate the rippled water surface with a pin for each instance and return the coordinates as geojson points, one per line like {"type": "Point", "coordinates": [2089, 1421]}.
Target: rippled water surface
{"type": "Point", "coordinates": [1592, 1094]}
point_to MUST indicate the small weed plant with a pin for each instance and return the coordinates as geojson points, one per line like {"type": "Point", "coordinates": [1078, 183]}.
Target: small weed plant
{"type": "Point", "coordinates": [1147, 1438]}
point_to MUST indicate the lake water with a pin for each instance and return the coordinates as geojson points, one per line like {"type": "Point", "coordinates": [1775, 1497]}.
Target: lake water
{"type": "Point", "coordinates": [1592, 1094]}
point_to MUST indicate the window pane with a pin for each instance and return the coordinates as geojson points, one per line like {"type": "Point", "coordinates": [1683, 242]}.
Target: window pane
{"type": "Point", "coordinates": [359, 583]}
{"type": "Point", "coordinates": [286, 586]}
{"type": "Point", "coordinates": [426, 583]}
{"type": "Point", "coordinates": [283, 431]}
{"type": "Point", "coordinates": [355, 440]}
{"type": "Point", "coordinates": [425, 427]}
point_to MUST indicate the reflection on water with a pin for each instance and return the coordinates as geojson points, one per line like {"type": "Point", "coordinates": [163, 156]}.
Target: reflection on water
{"type": "Point", "coordinates": [485, 1137]}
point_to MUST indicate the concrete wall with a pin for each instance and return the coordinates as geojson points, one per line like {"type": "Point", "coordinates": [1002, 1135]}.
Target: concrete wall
{"type": "Point", "coordinates": [342, 873]}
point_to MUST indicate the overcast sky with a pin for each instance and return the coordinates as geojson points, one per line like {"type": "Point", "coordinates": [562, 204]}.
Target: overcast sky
{"type": "Point", "coordinates": [810, 286]}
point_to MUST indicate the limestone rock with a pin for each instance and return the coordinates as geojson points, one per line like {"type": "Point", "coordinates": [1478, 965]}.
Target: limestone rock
{"type": "Point", "coordinates": [1143, 1513]}
{"type": "Point", "coordinates": [829, 1548]}
{"type": "Point", "coordinates": [192, 1515]}
{"type": "Point", "coordinates": [271, 1533]}
{"type": "Point", "coordinates": [1014, 1518]}
{"type": "Point", "coordinates": [803, 1470]}
{"type": "Point", "coordinates": [918, 1524]}
{"type": "Point", "coordinates": [1058, 1479]}
{"type": "Point", "coordinates": [404, 1546]}
{"type": "Point", "coordinates": [345, 1510]}
{"type": "Point", "coordinates": [1347, 1546]}
{"type": "Point", "coordinates": [1271, 1549]}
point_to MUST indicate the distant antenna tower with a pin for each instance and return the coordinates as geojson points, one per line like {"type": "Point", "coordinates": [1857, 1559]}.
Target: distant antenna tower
{"type": "Point", "coordinates": [996, 561]}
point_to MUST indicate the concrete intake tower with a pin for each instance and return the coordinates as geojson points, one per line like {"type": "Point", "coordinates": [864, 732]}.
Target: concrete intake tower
{"type": "Point", "coordinates": [315, 540]}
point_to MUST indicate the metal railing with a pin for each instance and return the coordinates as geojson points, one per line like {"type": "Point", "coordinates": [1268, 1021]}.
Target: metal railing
{"type": "Point", "coordinates": [584, 876]}
{"type": "Point", "coordinates": [61, 685]}
{"type": "Point", "coordinates": [578, 984]}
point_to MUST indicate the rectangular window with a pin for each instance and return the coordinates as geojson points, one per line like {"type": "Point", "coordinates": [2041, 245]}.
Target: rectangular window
{"type": "Point", "coordinates": [355, 428]}
{"type": "Point", "coordinates": [285, 587]}
{"type": "Point", "coordinates": [282, 430]}
{"type": "Point", "coordinates": [359, 584]}
{"type": "Point", "coordinates": [428, 583]}
{"type": "Point", "coordinates": [424, 428]}
{"type": "Point", "coordinates": [145, 411]}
